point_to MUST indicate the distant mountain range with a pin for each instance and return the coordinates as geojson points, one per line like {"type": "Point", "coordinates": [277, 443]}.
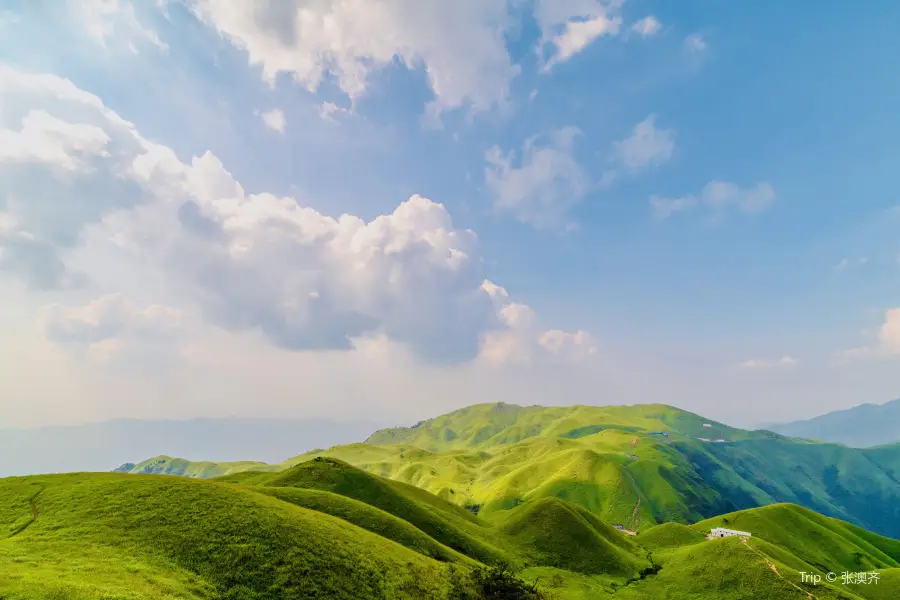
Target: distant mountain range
{"type": "Point", "coordinates": [103, 446]}
{"type": "Point", "coordinates": [862, 426]}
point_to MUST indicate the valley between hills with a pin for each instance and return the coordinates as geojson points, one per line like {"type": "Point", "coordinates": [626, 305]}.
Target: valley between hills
{"type": "Point", "coordinates": [491, 501]}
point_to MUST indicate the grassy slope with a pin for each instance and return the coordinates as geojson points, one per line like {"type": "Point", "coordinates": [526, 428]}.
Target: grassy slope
{"type": "Point", "coordinates": [121, 536]}
{"type": "Point", "coordinates": [447, 523]}
{"type": "Point", "coordinates": [825, 543]}
{"type": "Point", "coordinates": [324, 529]}
{"type": "Point", "coordinates": [500, 455]}
{"type": "Point", "coordinates": [487, 425]}
{"type": "Point", "coordinates": [555, 533]}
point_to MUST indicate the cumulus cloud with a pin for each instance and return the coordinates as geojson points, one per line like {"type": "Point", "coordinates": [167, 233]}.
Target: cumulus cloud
{"type": "Point", "coordinates": [886, 344]}
{"type": "Point", "coordinates": [542, 183]}
{"type": "Point", "coordinates": [718, 198]}
{"type": "Point", "coordinates": [761, 363]}
{"type": "Point", "coordinates": [111, 326]}
{"type": "Point", "coordinates": [109, 317]}
{"type": "Point", "coordinates": [647, 146]}
{"type": "Point", "coordinates": [274, 120]}
{"type": "Point", "coordinates": [64, 164]}
{"type": "Point", "coordinates": [460, 45]}
{"type": "Point", "coordinates": [570, 26]}
{"type": "Point", "coordinates": [647, 27]}
{"type": "Point", "coordinates": [522, 340]}
{"type": "Point", "coordinates": [103, 20]}
{"type": "Point", "coordinates": [247, 261]}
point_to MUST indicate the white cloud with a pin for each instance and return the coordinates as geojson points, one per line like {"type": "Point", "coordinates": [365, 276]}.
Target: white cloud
{"type": "Point", "coordinates": [647, 27]}
{"type": "Point", "coordinates": [274, 120]}
{"type": "Point", "coordinates": [328, 110]}
{"type": "Point", "coordinates": [246, 261]}
{"type": "Point", "coordinates": [646, 147]}
{"type": "Point", "coordinates": [45, 139]}
{"type": "Point", "coordinates": [695, 43]}
{"type": "Point", "coordinates": [718, 197]}
{"type": "Point", "coordinates": [64, 164]}
{"type": "Point", "coordinates": [570, 26]}
{"type": "Point", "coordinates": [460, 45]}
{"type": "Point", "coordinates": [109, 317]}
{"type": "Point", "coordinates": [663, 208]}
{"type": "Point", "coordinates": [103, 20]}
{"type": "Point", "coordinates": [886, 344]}
{"type": "Point", "coordinates": [889, 334]}
{"type": "Point", "coordinates": [547, 182]}
{"type": "Point", "coordinates": [522, 340]}
{"type": "Point", "coordinates": [757, 363]}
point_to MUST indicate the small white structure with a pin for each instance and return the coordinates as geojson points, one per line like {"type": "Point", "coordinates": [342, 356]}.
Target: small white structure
{"type": "Point", "coordinates": [721, 532]}
{"type": "Point", "coordinates": [707, 424]}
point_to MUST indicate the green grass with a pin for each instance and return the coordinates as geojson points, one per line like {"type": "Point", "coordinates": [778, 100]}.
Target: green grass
{"type": "Point", "coordinates": [325, 529]}
{"type": "Point", "coordinates": [828, 544]}
{"type": "Point", "coordinates": [723, 569]}
{"type": "Point", "coordinates": [121, 536]}
{"type": "Point", "coordinates": [546, 484]}
{"type": "Point", "coordinates": [558, 534]}
{"type": "Point", "coordinates": [668, 536]}
{"type": "Point", "coordinates": [608, 460]}
{"type": "Point", "coordinates": [447, 523]}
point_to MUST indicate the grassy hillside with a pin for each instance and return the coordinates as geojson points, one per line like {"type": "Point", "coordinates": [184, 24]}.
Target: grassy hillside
{"type": "Point", "coordinates": [616, 463]}
{"type": "Point", "coordinates": [325, 529]}
{"type": "Point", "coordinates": [447, 523]}
{"type": "Point", "coordinates": [488, 425]}
{"type": "Point", "coordinates": [824, 543]}
{"type": "Point", "coordinates": [120, 536]}
{"type": "Point", "coordinates": [555, 533]}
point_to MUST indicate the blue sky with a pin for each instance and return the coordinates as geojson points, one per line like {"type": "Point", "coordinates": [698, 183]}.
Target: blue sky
{"type": "Point", "coordinates": [695, 200]}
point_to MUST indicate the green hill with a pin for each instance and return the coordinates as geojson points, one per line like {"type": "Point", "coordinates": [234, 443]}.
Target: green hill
{"type": "Point", "coordinates": [447, 523]}
{"type": "Point", "coordinates": [669, 535]}
{"type": "Point", "coordinates": [325, 529]}
{"type": "Point", "coordinates": [121, 536]}
{"type": "Point", "coordinates": [634, 465]}
{"type": "Point", "coordinates": [822, 542]}
{"type": "Point", "coordinates": [488, 425]}
{"type": "Point", "coordinates": [555, 533]}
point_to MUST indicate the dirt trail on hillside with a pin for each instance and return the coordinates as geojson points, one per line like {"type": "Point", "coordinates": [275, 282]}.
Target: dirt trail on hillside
{"type": "Point", "coordinates": [635, 521]}
{"type": "Point", "coordinates": [774, 569]}
{"type": "Point", "coordinates": [32, 504]}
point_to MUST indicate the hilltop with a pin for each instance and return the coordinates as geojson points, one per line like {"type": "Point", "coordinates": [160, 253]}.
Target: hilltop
{"type": "Point", "coordinates": [325, 529]}
{"type": "Point", "coordinates": [488, 425]}
{"type": "Point", "coordinates": [637, 466]}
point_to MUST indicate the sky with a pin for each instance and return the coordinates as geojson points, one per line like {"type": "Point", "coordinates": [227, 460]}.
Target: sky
{"type": "Point", "coordinates": [389, 209]}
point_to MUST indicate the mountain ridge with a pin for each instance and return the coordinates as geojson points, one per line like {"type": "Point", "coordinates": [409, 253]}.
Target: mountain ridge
{"type": "Point", "coordinates": [862, 426]}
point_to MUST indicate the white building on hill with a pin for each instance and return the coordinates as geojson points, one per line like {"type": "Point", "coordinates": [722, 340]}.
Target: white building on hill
{"type": "Point", "coordinates": [720, 532]}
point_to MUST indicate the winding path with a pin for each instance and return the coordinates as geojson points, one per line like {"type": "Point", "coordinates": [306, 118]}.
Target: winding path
{"type": "Point", "coordinates": [774, 568]}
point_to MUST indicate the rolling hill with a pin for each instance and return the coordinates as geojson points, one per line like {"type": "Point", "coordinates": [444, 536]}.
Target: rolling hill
{"type": "Point", "coordinates": [325, 529]}
{"type": "Point", "coordinates": [637, 466]}
{"type": "Point", "coordinates": [862, 426]}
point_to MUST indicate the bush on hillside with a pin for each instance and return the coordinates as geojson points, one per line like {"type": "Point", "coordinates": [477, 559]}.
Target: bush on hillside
{"type": "Point", "coordinates": [499, 583]}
